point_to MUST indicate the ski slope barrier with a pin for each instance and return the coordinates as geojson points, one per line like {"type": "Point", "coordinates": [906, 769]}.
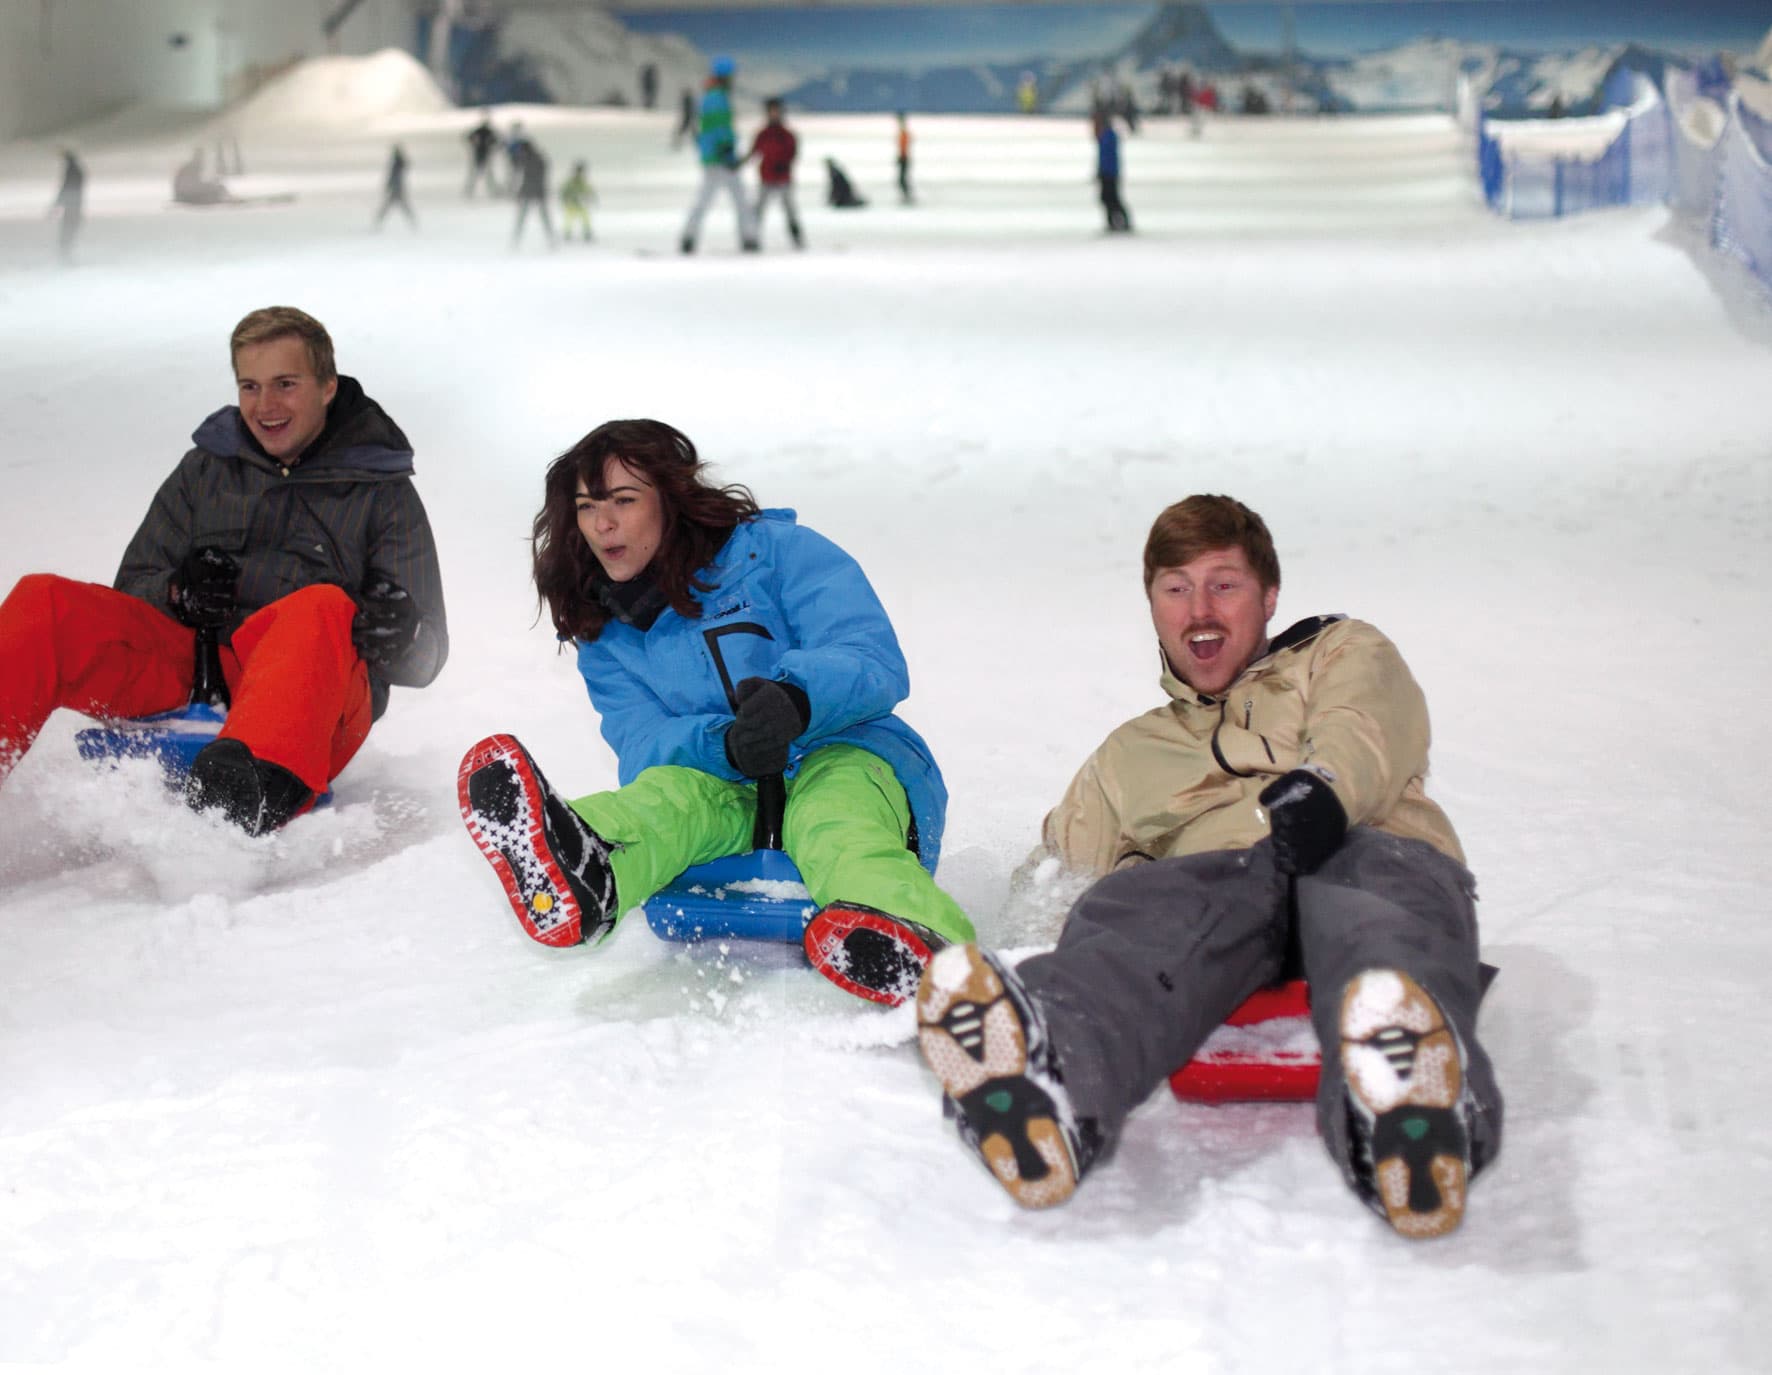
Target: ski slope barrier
{"type": "Point", "coordinates": [1703, 150]}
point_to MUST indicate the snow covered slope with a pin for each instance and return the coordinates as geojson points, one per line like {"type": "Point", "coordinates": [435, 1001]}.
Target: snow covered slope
{"type": "Point", "coordinates": [346, 92]}
{"type": "Point", "coordinates": [314, 1103]}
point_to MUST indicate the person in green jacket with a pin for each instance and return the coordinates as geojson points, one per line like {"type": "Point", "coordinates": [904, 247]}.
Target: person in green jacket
{"type": "Point", "coordinates": [576, 199]}
{"type": "Point", "coordinates": [718, 146]}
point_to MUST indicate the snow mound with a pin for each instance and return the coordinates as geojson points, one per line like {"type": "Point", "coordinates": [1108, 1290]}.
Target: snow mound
{"type": "Point", "coordinates": [343, 90]}
{"type": "Point", "coordinates": [1702, 121]}
{"type": "Point", "coordinates": [1755, 94]}
{"type": "Point", "coordinates": [588, 57]}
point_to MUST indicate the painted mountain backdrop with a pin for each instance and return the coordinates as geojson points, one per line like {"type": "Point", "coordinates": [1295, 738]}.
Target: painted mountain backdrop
{"type": "Point", "coordinates": [875, 59]}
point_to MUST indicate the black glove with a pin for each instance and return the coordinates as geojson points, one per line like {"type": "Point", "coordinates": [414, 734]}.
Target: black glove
{"type": "Point", "coordinates": [1307, 819]}
{"type": "Point", "coordinates": [202, 590]}
{"type": "Point", "coordinates": [769, 716]}
{"type": "Point", "coordinates": [386, 624]}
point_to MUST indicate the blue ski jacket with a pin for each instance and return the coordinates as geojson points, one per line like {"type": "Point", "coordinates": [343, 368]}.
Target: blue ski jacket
{"type": "Point", "coordinates": [1107, 152]}
{"type": "Point", "coordinates": [788, 605]}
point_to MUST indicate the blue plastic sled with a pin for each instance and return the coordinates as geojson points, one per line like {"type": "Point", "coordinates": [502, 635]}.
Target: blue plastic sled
{"type": "Point", "coordinates": [172, 737]}
{"type": "Point", "coordinates": [756, 896]}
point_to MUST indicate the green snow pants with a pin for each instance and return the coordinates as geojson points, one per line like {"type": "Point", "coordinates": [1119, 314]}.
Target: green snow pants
{"type": "Point", "coordinates": [845, 827]}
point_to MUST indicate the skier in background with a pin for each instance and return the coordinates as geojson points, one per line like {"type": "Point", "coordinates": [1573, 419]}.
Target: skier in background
{"type": "Point", "coordinates": [1107, 173]}
{"type": "Point", "coordinates": [775, 148]}
{"type": "Point", "coordinates": [516, 153]}
{"type": "Point", "coordinates": [191, 187]}
{"type": "Point", "coordinates": [1278, 793]}
{"type": "Point", "coordinates": [1126, 106]}
{"type": "Point", "coordinates": [396, 190]}
{"type": "Point", "coordinates": [840, 192]}
{"type": "Point", "coordinates": [903, 144]}
{"type": "Point", "coordinates": [532, 190]}
{"type": "Point", "coordinates": [481, 140]}
{"type": "Point", "coordinates": [717, 145]}
{"type": "Point", "coordinates": [576, 199]}
{"type": "Point", "coordinates": [70, 202]}
{"type": "Point", "coordinates": [685, 119]}
{"type": "Point", "coordinates": [312, 634]}
{"type": "Point", "coordinates": [721, 645]}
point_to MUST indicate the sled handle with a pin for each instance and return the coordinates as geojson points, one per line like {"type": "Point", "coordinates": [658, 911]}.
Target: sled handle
{"type": "Point", "coordinates": [208, 687]}
{"type": "Point", "coordinates": [772, 802]}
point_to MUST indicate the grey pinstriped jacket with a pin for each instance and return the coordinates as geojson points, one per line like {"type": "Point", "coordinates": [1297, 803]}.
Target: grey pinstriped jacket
{"type": "Point", "coordinates": [346, 514]}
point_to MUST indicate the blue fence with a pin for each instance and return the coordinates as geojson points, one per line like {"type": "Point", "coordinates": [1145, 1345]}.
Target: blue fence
{"type": "Point", "coordinates": [1742, 224]}
{"type": "Point", "coordinates": [1710, 158]}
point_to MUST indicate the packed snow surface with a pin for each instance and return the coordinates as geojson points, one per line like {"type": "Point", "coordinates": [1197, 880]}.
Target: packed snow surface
{"type": "Point", "coordinates": [315, 1102]}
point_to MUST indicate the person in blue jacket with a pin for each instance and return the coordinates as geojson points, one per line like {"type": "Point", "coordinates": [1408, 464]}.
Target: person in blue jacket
{"type": "Point", "coordinates": [1107, 173]}
{"type": "Point", "coordinates": [721, 644]}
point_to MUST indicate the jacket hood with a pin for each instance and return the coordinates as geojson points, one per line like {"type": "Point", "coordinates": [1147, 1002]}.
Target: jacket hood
{"type": "Point", "coordinates": [1299, 633]}
{"type": "Point", "coordinates": [358, 436]}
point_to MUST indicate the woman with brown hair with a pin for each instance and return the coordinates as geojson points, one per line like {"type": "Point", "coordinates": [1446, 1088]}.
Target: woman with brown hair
{"type": "Point", "coordinates": [721, 644]}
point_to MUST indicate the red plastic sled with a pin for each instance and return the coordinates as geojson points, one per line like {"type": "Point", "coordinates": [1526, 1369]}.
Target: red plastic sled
{"type": "Point", "coordinates": [1265, 1051]}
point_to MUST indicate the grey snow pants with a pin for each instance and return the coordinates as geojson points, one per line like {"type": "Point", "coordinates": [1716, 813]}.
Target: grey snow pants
{"type": "Point", "coordinates": [1153, 958]}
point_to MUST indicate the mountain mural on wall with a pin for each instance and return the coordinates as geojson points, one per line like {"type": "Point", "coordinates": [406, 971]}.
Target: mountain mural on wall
{"type": "Point", "coordinates": [1177, 35]}
{"type": "Point", "coordinates": [1419, 74]}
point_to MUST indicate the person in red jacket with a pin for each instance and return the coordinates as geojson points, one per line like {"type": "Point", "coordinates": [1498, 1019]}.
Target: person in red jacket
{"type": "Point", "coordinates": [775, 148]}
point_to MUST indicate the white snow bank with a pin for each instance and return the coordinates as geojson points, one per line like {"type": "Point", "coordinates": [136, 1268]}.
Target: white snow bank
{"type": "Point", "coordinates": [1585, 137]}
{"type": "Point", "coordinates": [1702, 122]}
{"type": "Point", "coordinates": [588, 57]}
{"type": "Point", "coordinates": [1755, 94]}
{"type": "Point", "coordinates": [342, 90]}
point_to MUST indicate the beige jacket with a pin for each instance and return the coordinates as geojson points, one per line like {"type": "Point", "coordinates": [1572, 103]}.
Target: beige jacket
{"type": "Point", "coordinates": [1330, 694]}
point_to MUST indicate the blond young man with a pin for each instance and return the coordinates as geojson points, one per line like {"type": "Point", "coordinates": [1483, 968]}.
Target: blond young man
{"type": "Point", "coordinates": [292, 530]}
{"type": "Point", "coordinates": [1274, 802]}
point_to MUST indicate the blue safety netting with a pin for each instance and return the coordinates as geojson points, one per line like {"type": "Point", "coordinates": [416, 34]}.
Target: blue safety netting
{"type": "Point", "coordinates": [1710, 157]}
{"type": "Point", "coordinates": [1742, 224]}
{"type": "Point", "coordinates": [1527, 182]}
{"type": "Point", "coordinates": [1695, 125]}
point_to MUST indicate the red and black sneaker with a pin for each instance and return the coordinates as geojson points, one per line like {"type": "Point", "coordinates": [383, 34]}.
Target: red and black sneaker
{"type": "Point", "coordinates": [869, 953]}
{"type": "Point", "coordinates": [555, 869]}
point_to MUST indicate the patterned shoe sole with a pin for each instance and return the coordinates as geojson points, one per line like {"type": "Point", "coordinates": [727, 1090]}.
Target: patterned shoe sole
{"type": "Point", "coordinates": [866, 953]}
{"type": "Point", "coordinates": [502, 805]}
{"type": "Point", "coordinates": [972, 1037]}
{"type": "Point", "coordinates": [1402, 1067]}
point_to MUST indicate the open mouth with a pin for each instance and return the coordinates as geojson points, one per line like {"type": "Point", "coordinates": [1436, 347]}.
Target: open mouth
{"type": "Point", "coordinates": [1205, 645]}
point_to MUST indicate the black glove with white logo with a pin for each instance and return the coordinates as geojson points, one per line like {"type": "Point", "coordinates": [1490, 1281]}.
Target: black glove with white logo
{"type": "Point", "coordinates": [770, 716]}
{"type": "Point", "coordinates": [202, 591]}
{"type": "Point", "coordinates": [386, 624]}
{"type": "Point", "coordinates": [1306, 818]}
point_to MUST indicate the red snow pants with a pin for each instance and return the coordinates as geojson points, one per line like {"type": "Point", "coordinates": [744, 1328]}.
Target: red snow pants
{"type": "Point", "coordinates": [300, 693]}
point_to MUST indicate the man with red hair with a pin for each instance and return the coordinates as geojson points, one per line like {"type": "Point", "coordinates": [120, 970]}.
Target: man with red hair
{"type": "Point", "coordinates": [1274, 802]}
